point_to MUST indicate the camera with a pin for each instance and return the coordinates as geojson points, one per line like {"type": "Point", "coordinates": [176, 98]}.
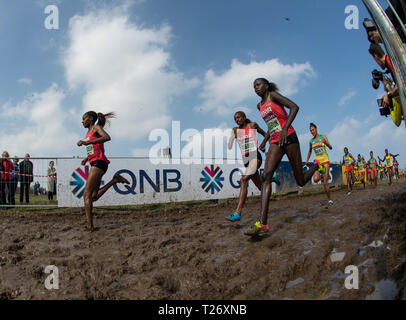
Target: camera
{"type": "Point", "coordinates": [377, 76]}
{"type": "Point", "coordinates": [384, 111]}
{"type": "Point", "coordinates": [369, 25]}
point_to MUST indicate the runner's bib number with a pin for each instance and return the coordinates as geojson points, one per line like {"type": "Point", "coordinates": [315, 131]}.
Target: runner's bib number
{"type": "Point", "coordinates": [247, 142]}
{"type": "Point", "coordinates": [319, 151]}
{"type": "Point", "coordinates": [90, 150]}
{"type": "Point", "coordinates": [273, 124]}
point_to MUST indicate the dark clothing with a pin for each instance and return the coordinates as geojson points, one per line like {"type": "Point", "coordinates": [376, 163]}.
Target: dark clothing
{"type": "Point", "coordinates": [14, 180]}
{"type": "Point", "coordinates": [292, 138]}
{"type": "Point", "coordinates": [26, 168]}
{"type": "Point", "coordinates": [25, 188]}
{"type": "Point", "coordinates": [401, 13]}
{"type": "Point", "coordinates": [253, 155]}
{"type": "Point", "coordinates": [103, 165]}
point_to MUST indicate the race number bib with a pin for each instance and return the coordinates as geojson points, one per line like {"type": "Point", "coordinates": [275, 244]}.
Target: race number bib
{"type": "Point", "coordinates": [273, 124]}
{"type": "Point", "coordinates": [89, 150]}
{"type": "Point", "coordinates": [319, 151]}
{"type": "Point", "coordinates": [247, 140]}
{"type": "Point", "coordinates": [387, 160]}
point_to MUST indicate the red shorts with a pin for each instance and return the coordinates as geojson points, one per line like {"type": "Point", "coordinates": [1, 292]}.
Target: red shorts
{"type": "Point", "coordinates": [349, 169]}
{"type": "Point", "coordinates": [325, 163]}
{"type": "Point", "coordinates": [373, 169]}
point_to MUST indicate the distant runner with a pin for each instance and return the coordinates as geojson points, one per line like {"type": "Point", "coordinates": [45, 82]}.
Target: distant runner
{"type": "Point", "coordinates": [348, 160]}
{"type": "Point", "coordinates": [318, 143]}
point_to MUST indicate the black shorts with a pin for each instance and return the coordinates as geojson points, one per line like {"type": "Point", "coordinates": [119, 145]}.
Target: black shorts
{"type": "Point", "coordinates": [292, 138]}
{"type": "Point", "coordinates": [246, 159]}
{"type": "Point", "coordinates": [100, 164]}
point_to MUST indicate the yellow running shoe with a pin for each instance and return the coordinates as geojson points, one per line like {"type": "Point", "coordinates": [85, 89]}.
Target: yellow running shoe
{"type": "Point", "coordinates": [257, 228]}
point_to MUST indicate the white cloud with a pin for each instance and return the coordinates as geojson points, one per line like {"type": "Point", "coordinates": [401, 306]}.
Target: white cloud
{"type": "Point", "coordinates": [344, 99]}
{"type": "Point", "coordinates": [26, 81]}
{"type": "Point", "coordinates": [226, 92]}
{"type": "Point", "coordinates": [123, 68]}
{"type": "Point", "coordinates": [41, 130]}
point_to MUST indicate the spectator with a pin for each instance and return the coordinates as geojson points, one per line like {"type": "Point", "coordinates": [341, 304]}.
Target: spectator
{"type": "Point", "coordinates": [6, 179]}
{"type": "Point", "coordinates": [26, 170]}
{"type": "Point", "coordinates": [15, 177]}
{"type": "Point", "coordinates": [51, 177]}
{"type": "Point", "coordinates": [1, 181]}
{"type": "Point", "coordinates": [372, 31]}
{"type": "Point", "coordinates": [383, 61]}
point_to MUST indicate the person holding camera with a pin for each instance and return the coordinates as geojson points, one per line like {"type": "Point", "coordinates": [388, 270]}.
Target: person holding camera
{"type": "Point", "coordinates": [383, 61]}
{"type": "Point", "coordinates": [372, 30]}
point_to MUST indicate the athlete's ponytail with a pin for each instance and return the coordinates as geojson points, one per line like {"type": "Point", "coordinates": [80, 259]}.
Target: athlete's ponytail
{"type": "Point", "coordinates": [100, 118]}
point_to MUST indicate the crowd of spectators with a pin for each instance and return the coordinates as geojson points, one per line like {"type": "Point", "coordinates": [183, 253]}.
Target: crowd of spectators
{"type": "Point", "coordinates": [383, 60]}
{"type": "Point", "coordinates": [13, 172]}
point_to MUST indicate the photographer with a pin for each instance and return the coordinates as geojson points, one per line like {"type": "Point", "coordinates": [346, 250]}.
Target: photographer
{"type": "Point", "coordinates": [372, 31]}
{"type": "Point", "coordinates": [383, 61]}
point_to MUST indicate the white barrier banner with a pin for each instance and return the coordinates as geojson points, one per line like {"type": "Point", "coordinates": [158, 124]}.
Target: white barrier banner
{"type": "Point", "coordinates": [151, 183]}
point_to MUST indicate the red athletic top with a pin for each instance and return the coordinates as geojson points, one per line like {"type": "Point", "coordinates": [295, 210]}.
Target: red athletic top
{"type": "Point", "coordinates": [8, 166]}
{"type": "Point", "coordinates": [275, 118]}
{"type": "Point", "coordinates": [95, 151]}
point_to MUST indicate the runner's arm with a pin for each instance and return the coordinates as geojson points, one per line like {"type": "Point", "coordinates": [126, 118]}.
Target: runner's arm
{"type": "Point", "coordinates": [231, 140]}
{"type": "Point", "coordinates": [258, 128]}
{"type": "Point", "coordinates": [327, 143]}
{"type": "Point", "coordinates": [104, 136]}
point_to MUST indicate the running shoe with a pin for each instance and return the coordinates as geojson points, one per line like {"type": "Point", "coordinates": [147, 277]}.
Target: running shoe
{"type": "Point", "coordinates": [257, 228]}
{"type": "Point", "coordinates": [322, 168]}
{"type": "Point", "coordinates": [234, 217]}
{"type": "Point", "coordinates": [348, 193]}
{"type": "Point", "coordinates": [330, 202]}
{"type": "Point", "coordinates": [275, 179]}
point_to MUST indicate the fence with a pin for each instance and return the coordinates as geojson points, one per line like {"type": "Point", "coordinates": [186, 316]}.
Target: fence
{"type": "Point", "coordinates": [151, 182]}
{"type": "Point", "coordinates": [29, 186]}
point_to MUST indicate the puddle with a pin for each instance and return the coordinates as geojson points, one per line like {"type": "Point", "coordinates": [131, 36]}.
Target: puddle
{"type": "Point", "coordinates": [294, 283]}
{"type": "Point", "coordinates": [384, 290]}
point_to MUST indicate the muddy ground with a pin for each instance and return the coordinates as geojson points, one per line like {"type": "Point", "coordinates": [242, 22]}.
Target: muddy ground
{"type": "Point", "coordinates": [192, 252]}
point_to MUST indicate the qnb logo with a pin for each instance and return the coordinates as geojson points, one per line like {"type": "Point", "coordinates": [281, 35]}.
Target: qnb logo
{"type": "Point", "coordinates": [79, 180]}
{"type": "Point", "coordinates": [212, 179]}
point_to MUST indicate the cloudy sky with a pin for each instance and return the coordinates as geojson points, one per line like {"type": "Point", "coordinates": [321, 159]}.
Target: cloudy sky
{"type": "Point", "coordinates": [157, 61]}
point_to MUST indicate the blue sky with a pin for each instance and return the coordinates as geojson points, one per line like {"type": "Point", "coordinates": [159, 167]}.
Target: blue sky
{"type": "Point", "coordinates": [154, 61]}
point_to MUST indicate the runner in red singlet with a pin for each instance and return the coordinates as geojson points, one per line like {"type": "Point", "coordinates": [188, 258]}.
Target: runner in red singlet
{"type": "Point", "coordinates": [94, 142]}
{"type": "Point", "coordinates": [246, 136]}
{"type": "Point", "coordinates": [283, 140]}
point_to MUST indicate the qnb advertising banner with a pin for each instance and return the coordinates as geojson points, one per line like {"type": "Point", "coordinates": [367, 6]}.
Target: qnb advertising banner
{"type": "Point", "coordinates": [160, 183]}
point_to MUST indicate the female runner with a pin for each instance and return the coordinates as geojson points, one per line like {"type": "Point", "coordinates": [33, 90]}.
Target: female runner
{"type": "Point", "coordinates": [283, 140]}
{"type": "Point", "coordinates": [94, 142]}
{"type": "Point", "coordinates": [318, 143]}
{"type": "Point", "coordinates": [246, 135]}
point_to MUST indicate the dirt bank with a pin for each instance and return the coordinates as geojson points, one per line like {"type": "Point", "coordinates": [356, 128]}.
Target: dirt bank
{"type": "Point", "coordinates": [192, 252]}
